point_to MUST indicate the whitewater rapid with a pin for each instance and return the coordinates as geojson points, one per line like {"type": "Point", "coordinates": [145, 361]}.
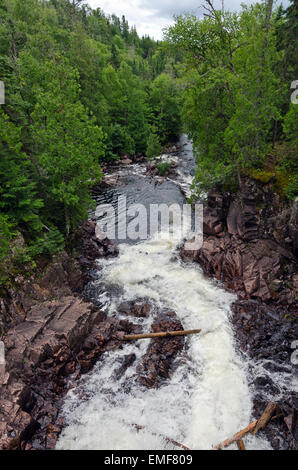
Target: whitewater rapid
{"type": "Point", "coordinates": [208, 397]}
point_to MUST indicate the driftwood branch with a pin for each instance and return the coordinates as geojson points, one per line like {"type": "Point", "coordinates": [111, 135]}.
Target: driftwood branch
{"type": "Point", "coordinates": [167, 439]}
{"type": "Point", "coordinates": [237, 436]}
{"type": "Point", "coordinates": [240, 445]}
{"type": "Point", "coordinates": [251, 428]}
{"type": "Point", "coordinates": [162, 334]}
{"type": "Point", "coordinates": [269, 410]}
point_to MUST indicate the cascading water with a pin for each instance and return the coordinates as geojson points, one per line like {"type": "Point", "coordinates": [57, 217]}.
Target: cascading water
{"type": "Point", "coordinates": [207, 399]}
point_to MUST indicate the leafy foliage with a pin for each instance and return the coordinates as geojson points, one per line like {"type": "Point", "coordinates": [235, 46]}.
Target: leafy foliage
{"type": "Point", "coordinates": [78, 93]}
{"type": "Point", "coordinates": [234, 100]}
{"type": "Point", "coordinates": [163, 167]}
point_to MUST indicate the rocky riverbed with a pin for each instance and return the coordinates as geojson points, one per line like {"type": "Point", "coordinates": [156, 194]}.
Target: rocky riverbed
{"type": "Point", "coordinates": [54, 334]}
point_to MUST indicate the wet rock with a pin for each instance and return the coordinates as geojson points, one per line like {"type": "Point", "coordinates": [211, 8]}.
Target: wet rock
{"type": "Point", "coordinates": [158, 362]}
{"type": "Point", "coordinates": [60, 339]}
{"type": "Point", "coordinates": [191, 249]}
{"type": "Point", "coordinates": [47, 340]}
{"type": "Point", "coordinates": [240, 246]}
{"type": "Point", "coordinates": [137, 308]}
{"type": "Point", "coordinates": [266, 336]}
{"type": "Point", "coordinates": [128, 360]}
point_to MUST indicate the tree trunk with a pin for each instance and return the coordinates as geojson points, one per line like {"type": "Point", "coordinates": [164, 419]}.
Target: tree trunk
{"type": "Point", "coordinates": [162, 334]}
{"type": "Point", "coordinates": [240, 445]}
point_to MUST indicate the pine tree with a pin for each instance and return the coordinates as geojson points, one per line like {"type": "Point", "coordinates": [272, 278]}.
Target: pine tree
{"type": "Point", "coordinates": [154, 148]}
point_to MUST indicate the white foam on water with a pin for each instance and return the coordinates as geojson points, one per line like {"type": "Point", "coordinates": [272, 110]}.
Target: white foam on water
{"type": "Point", "coordinates": [206, 400]}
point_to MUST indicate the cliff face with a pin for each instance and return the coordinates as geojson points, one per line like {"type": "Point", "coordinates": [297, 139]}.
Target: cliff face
{"type": "Point", "coordinates": [251, 246]}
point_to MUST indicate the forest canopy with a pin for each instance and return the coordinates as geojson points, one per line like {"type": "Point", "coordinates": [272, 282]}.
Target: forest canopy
{"type": "Point", "coordinates": [238, 72]}
{"type": "Point", "coordinates": [81, 88]}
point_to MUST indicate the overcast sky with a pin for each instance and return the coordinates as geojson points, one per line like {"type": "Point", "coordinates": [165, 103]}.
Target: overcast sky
{"type": "Point", "coordinates": [150, 16]}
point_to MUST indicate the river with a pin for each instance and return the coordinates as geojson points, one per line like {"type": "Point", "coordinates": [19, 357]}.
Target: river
{"type": "Point", "coordinates": [208, 397]}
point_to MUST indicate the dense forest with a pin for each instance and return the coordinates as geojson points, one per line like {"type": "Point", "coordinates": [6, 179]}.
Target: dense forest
{"type": "Point", "coordinates": [239, 71]}
{"type": "Point", "coordinates": [82, 88]}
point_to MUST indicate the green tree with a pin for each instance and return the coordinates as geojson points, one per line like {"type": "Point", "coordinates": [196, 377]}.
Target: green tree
{"type": "Point", "coordinates": [165, 103]}
{"type": "Point", "coordinates": [18, 200]}
{"type": "Point", "coordinates": [232, 96]}
{"type": "Point", "coordinates": [154, 148]}
{"type": "Point", "coordinates": [68, 145]}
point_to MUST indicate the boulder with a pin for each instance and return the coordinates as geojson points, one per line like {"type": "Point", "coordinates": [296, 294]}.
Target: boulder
{"type": "Point", "coordinates": [57, 339]}
{"type": "Point", "coordinates": [137, 308]}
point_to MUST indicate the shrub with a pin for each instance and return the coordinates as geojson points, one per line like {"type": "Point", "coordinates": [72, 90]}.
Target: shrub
{"type": "Point", "coordinates": [163, 167]}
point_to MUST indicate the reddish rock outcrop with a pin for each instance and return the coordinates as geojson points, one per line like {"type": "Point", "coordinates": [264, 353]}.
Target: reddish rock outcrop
{"type": "Point", "coordinates": [90, 247]}
{"type": "Point", "coordinates": [61, 276]}
{"type": "Point", "coordinates": [58, 339]}
{"type": "Point", "coordinates": [250, 244]}
{"type": "Point", "coordinates": [50, 334]}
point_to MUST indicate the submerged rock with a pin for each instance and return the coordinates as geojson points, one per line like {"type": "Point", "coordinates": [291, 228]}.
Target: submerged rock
{"type": "Point", "coordinates": [137, 308]}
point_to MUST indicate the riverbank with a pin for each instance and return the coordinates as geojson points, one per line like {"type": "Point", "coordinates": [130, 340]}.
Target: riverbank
{"type": "Point", "coordinates": [250, 245]}
{"type": "Point", "coordinates": [47, 329]}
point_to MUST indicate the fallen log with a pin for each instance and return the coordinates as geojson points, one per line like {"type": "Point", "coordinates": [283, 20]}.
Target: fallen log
{"type": "Point", "coordinates": [237, 436]}
{"type": "Point", "coordinates": [240, 444]}
{"type": "Point", "coordinates": [268, 412]}
{"type": "Point", "coordinates": [251, 428]}
{"type": "Point", "coordinates": [161, 334]}
{"type": "Point", "coordinates": [165, 438]}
